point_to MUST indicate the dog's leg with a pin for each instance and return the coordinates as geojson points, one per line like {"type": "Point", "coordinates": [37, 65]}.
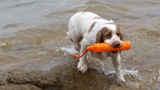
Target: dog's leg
{"type": "Point", "coordinates": [77, 46]}
{"type": "Point", "coordinates": [76, 41]}
{"type": "Point", "coordinates": [104, 68]}
{"type": "Point", "coordinates": [116, 59]}
{"type": "Point", "coordinates": [103, 65]}
{"type": "Point", "coordinates": [82, 64]}
{"type": "Point", "coordinates": [102, 58]}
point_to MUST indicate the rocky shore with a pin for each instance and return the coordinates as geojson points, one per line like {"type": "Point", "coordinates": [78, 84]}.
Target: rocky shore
{"type": "Point", "coordinates": [65, 77]}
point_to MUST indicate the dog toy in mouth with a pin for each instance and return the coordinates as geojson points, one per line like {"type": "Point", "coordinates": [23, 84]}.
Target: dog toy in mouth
{"type": "Point", "coordinates": [105, 47]}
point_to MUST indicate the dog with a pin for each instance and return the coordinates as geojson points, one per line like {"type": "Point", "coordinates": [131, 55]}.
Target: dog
{"type": "Point", "coordinates": [86, 29]}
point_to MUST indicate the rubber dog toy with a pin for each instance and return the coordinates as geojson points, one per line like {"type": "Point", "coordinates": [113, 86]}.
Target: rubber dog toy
{"type": "Point", "coordinates": [105, 47]}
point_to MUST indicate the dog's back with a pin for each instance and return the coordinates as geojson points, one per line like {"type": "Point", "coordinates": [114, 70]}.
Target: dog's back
{"type": "Point", "coordinates": [79, 23]}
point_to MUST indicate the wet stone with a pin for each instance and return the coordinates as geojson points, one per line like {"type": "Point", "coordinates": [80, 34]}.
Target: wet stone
{"type": "Point", "coordinates": [2, 80]}
{"type": "Point", "coordinates": [59, 78]}
{"type": "Point", "coordinates": [19, 87]}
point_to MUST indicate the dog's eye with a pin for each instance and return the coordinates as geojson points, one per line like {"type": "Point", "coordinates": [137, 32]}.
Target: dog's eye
{"type": "Point", "coordinates": [108, 35]}
{"type": "Point", "coordinates": [118, 34]}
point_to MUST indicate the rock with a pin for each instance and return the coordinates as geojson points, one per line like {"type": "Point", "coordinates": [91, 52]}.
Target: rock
{"type": "Point", "coordinates": [2, 80]}
{"type": "Point", "coordinates": [19, 87]}
{"type": "Point", "coordinates": [65, 77]}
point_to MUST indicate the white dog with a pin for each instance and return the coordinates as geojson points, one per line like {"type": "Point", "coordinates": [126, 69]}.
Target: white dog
{"type": "Point", "coordinates": [86, 29]}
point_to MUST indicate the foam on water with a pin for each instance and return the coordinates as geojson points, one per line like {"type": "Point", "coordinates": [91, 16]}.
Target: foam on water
{"type": "Point", "coordinates": [67, 49]}
{"type": "Point", "coordinates": [131, 72]}
{"type": "Point", "coordinates": [125, 72]}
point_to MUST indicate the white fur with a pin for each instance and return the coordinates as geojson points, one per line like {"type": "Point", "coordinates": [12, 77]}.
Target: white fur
{"type": "Point", "coordinates": [79, 25]}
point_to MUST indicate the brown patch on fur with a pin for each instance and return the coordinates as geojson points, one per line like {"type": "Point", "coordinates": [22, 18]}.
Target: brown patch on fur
{"type": "Point", "coordinates": [91, 27]}
{"type": "Point", "coordinates": [98, 37]}
{"type": "Point", "coordinates": [106, 33]}
{"type": "Point", "coordinates": [103, 34]}
{"type": "Point", "coordinates": [97, 18]}
{"type": "Point", "coordinates": [118, 32]}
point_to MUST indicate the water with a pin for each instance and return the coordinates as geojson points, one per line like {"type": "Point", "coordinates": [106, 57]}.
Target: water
{"type": "Point", "coordinates": [35, 30]}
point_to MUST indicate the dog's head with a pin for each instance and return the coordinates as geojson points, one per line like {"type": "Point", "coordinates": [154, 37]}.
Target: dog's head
{"type": "Point", "coordinates": [111, 34]}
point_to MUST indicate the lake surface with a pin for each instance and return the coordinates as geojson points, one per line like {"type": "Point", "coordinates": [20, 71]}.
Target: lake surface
{"type": "Point", "coordinates": [33, 35]}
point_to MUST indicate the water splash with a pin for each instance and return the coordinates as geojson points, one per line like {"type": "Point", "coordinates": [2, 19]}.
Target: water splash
{"type": "Point", "coordinates": [125, 72]}
{"type": "Point", "coordinates": [67, 49]}
{"type": "Point", "coordinates": [130, 72]}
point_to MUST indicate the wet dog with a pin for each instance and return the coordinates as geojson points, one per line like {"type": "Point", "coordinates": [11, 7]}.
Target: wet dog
{"type": "Point", "coordinates": [86, 29]}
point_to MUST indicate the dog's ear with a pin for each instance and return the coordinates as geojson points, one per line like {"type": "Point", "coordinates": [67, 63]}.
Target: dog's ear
{"type": "Point", "coordinates": [99, 37]}
{"type": "Point", "coordinates": [121, 36]}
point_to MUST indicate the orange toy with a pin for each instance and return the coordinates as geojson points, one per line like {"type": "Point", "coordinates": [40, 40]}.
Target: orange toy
{"type": "Point", "coordinates": [105, 47]}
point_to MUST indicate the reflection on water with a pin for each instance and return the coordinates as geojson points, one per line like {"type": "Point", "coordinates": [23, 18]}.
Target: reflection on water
{"type": "Point", "coordinates": [35, 30]}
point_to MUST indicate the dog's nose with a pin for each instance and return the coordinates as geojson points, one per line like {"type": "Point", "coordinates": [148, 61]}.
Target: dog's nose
{"type": "Point", "coordinates": [116, 44]}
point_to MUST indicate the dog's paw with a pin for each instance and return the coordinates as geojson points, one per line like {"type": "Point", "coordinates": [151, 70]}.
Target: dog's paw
{"type": "Point", "coordinates": [82, 67]}
{"type": "Point", "coordinates": [121, 78]}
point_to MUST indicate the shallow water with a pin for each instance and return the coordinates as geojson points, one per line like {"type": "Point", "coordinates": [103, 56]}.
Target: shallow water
{"type": "Point", "coordinates": [33, 32]}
